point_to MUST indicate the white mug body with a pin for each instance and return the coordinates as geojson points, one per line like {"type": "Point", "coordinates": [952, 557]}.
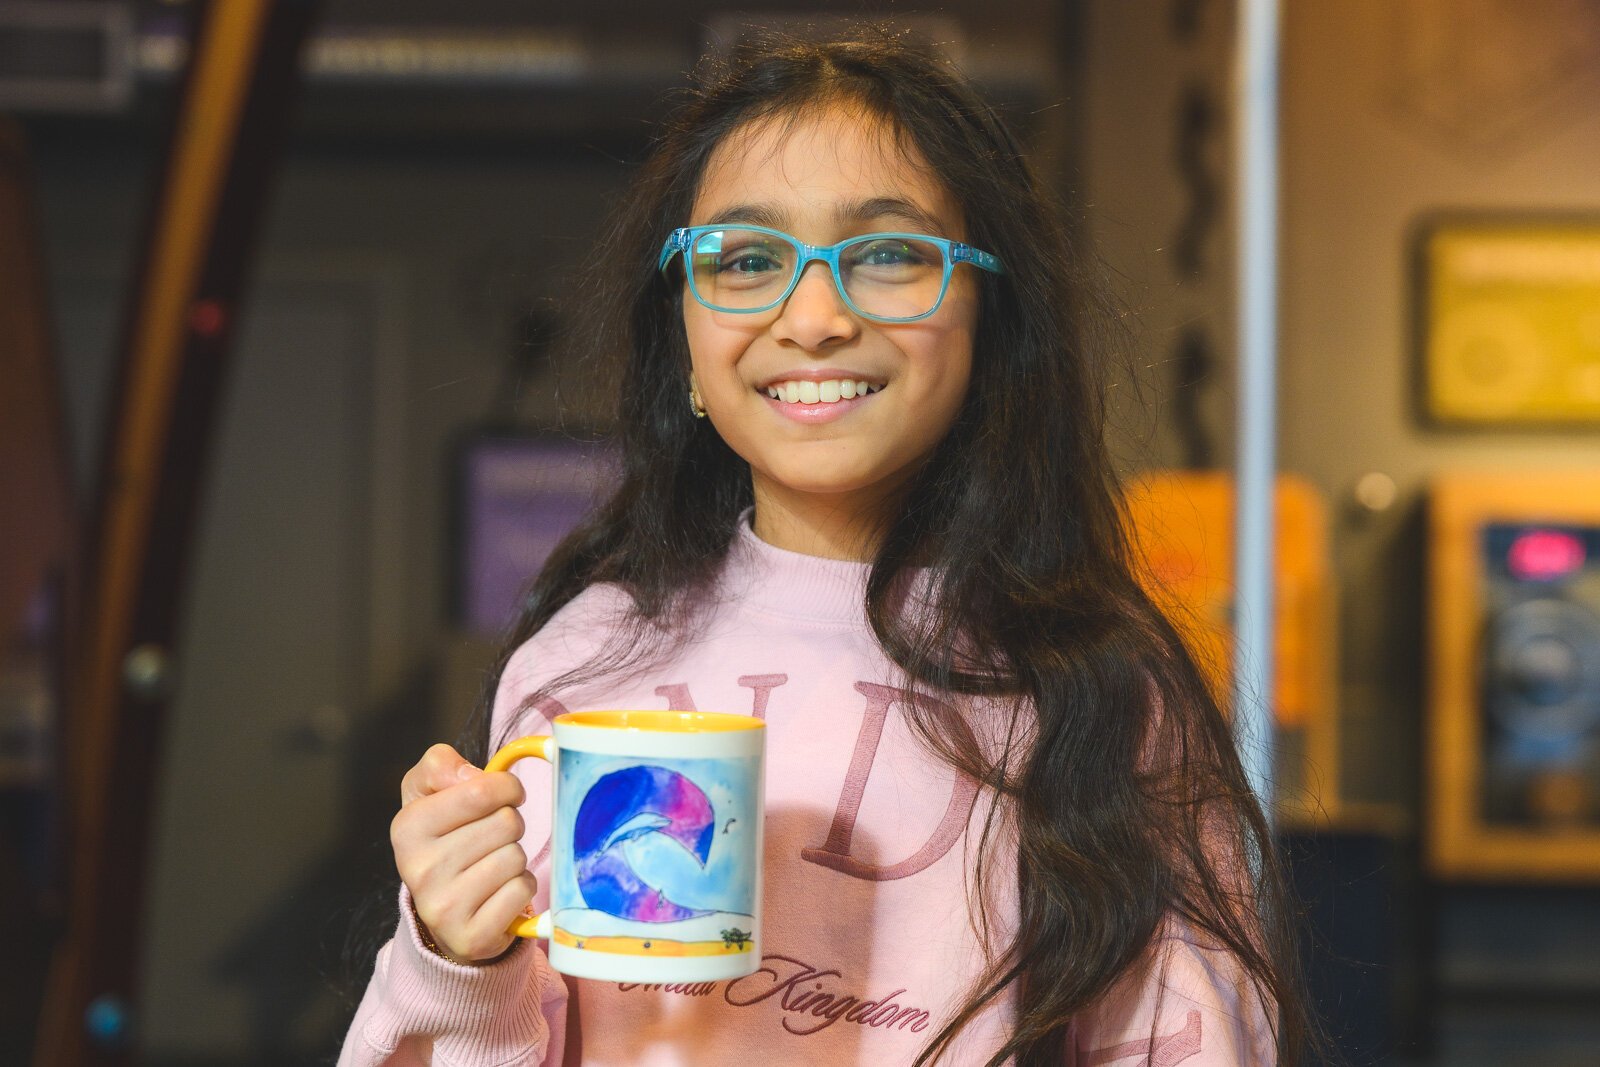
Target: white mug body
{"type": "Point", "coordinates": [656, 846]}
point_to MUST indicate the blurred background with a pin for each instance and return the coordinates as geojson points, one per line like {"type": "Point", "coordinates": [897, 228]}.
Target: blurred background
{"type": "Point", "coordinates": [286, 420]}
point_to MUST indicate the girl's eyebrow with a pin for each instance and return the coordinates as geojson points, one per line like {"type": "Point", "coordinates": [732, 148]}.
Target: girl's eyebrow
{"type": "Point", "coordinates": [878, 207]}
{"type": "Point", "coordinates": [751, 214]}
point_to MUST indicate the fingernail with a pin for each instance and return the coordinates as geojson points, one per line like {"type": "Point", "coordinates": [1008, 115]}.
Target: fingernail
{"type": "Point", "coordinates": [465, 771]}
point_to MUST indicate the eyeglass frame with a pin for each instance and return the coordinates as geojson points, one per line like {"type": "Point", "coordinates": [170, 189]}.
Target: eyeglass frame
{"type": "Point", "coordinates": [954, 253]}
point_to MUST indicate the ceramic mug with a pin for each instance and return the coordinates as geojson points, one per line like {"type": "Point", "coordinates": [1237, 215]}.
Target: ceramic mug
{"type": "Point", "coordinates": [655, 844]}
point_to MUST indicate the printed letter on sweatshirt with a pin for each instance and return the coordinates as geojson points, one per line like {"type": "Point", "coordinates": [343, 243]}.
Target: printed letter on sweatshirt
{"type": "Point", "coordinates": [835, 851]}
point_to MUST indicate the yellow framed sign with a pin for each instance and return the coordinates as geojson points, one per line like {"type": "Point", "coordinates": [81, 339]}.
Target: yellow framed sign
{"type": "Point", "coordinates": [1511, 745]}
{"type": "Point", "coordinates": [1509, 321]}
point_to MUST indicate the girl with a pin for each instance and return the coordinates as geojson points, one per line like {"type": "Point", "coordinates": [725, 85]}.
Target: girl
{"type": "Point", "coordinates": [866, 496]}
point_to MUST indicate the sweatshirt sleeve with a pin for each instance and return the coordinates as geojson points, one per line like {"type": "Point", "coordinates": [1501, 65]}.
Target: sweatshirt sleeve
{"type": "Point", "coordinates": [1191, 1005]}
{"type": "Point", "coordinates": [420, 1008]}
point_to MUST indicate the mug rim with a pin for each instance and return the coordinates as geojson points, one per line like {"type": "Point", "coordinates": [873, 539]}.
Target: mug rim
{"type": "Point", "coordinates": [658, 721]}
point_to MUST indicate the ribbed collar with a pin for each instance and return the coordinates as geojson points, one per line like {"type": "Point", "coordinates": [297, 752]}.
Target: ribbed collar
{"type": "Point", "coordinates": [777, 581]}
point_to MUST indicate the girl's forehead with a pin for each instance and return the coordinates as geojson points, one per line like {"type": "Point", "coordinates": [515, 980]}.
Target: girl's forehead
{"type": "Point", "coordinates": [816, 161]}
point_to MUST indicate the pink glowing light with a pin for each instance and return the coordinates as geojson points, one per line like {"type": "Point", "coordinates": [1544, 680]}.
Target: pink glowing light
{"type": "Point", "coordinates": [1540, 555]}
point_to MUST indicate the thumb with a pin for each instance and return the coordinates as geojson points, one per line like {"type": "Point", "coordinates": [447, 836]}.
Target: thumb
{"type": "Point", "coordinates": [440, 768]}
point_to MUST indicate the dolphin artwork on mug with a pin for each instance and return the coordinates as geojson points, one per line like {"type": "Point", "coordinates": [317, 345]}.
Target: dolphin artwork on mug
{"type": "Point", "coordinates": [651, 871]}
{"type": "Point", "coordinates": [621, 806]}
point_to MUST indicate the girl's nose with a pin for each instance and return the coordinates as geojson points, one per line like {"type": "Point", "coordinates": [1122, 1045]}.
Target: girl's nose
{"type": "Point", "coordinates": [815, 314]}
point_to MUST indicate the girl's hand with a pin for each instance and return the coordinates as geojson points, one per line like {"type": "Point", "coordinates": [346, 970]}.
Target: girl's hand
{"type": "Point", "coordinates": [457, 847]}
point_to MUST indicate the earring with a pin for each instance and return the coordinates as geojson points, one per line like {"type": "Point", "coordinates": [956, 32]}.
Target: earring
{"type": "Point", "coordinates": [697, 403]}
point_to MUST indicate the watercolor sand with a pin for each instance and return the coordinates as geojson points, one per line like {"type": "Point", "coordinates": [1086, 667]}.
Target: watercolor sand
{"type": "Point", "coordinates": [635, 946]}
{"type": "Point", "coordinates": [718, 934]}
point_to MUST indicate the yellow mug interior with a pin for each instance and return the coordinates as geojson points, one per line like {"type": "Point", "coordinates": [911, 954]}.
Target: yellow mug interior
{"type": "Point", "coordinates": [681, 722]}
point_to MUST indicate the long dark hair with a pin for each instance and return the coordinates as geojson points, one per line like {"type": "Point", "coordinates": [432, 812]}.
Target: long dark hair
{"type": "Point", "coordinates": [1116, 776]}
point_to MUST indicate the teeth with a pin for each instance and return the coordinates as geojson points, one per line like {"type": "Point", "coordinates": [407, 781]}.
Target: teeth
{"type": "Point", "coordinates": [829, 392]}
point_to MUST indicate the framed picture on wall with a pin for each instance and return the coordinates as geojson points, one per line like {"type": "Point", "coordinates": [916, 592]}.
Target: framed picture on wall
{"type": "Point", "coordinates": [515, 497]}
{"type": "Point", "coordinates": [1508, 321]}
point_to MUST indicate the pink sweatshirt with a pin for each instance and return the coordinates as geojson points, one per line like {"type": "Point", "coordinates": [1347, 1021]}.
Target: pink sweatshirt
{"type": "Point", "coordinates": [868, 941]}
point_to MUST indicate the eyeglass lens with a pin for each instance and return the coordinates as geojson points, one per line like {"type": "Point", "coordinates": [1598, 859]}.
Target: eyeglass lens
{"type": "Point", "coordinates": [887, 277]}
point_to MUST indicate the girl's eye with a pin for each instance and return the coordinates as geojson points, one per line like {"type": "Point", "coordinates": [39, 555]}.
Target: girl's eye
{"type": "Point", "coordinates": [749, 261]}
{"type": "Point", "coordinates": [888, 253]}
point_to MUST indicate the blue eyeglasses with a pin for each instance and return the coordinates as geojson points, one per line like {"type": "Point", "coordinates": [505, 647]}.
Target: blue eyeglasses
{"type": "Point", "coordinates": [886, 277]}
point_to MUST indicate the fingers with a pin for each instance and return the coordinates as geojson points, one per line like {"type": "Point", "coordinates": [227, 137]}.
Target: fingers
{"type": "Point", "coordinates": [481, 837]}
{"type": "Point", "coordinates": [469, 916]}
{"type": "Point", "coordinates": [444, 834]}
{"type": "Point", "coordinates": [437, 814]}
{"type": "Point", "coordinates": [507, 904]}
{"type": "Point", "coordinates": [457, 847]}
{"type": "Point", "coordinates": [439, 768]}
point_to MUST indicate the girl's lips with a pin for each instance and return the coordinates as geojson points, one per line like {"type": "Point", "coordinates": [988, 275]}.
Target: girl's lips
{"type": "Point", "coordinates": [816, 414]}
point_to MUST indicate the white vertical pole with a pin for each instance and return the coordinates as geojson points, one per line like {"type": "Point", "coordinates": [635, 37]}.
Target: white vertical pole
{"type": "Point", "coordinates": [1256, 143]}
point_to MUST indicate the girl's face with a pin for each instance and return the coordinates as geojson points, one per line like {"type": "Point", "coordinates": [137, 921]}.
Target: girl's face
{"type": "Point", "coordinates": [824, 178]}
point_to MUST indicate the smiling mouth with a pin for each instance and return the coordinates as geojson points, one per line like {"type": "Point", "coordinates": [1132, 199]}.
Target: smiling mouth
{"type": "Point", "coordinates": [825, 392]}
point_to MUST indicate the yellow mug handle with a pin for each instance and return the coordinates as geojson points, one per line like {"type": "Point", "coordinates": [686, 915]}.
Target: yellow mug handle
{"type": "Point", "coordinates": [541, 747]}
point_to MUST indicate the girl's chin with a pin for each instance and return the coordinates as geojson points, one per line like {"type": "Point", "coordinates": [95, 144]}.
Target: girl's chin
{"type": "Point", "coordinates": [822, 482]}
